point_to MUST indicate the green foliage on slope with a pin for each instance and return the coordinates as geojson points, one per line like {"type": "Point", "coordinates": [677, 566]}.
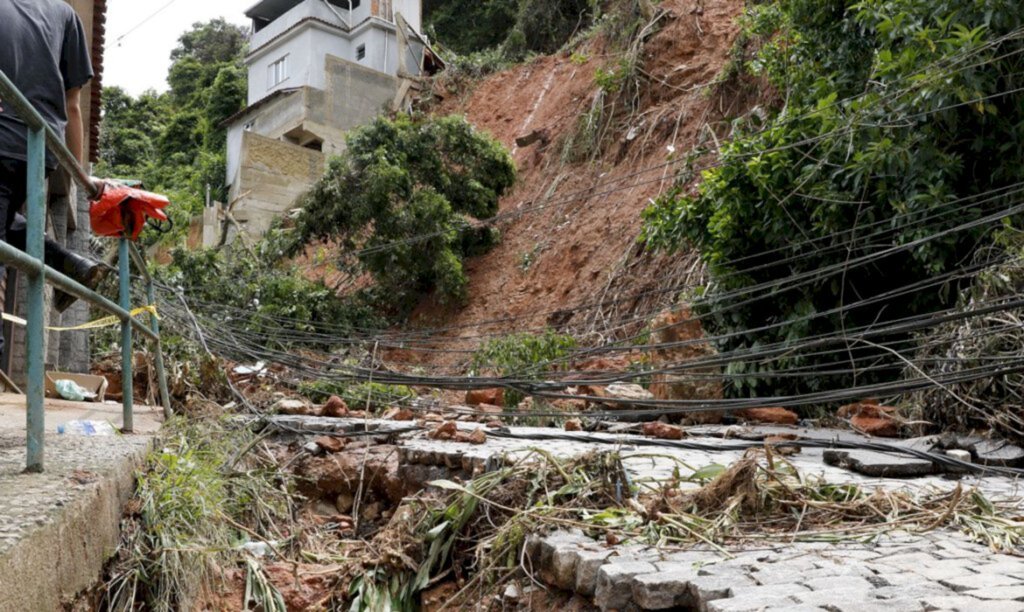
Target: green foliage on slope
{"type": "Point", "coordinates": [403, 203]}
{"type": "Point", "coordinates": [895, 112]}
{"type": "Point", "coordinates": [174, 141]}
{"type": "Point", "coordinates": [517, 27]}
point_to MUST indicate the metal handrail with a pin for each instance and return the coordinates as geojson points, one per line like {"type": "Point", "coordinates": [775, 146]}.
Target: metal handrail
{"type": "Point", "coordinates": [40, 138]}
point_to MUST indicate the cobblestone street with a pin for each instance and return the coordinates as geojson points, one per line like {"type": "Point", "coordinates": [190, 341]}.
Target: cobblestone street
{"type": "Point", "coordinates": [895, 571]}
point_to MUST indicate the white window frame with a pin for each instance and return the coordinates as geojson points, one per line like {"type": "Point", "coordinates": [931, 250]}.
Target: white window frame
{"type": "Point", "coordinates": [277, 72]}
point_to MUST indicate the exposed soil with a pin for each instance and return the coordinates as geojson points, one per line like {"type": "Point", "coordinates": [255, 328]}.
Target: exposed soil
{"type": "Point", "coordinates": [574, 242]}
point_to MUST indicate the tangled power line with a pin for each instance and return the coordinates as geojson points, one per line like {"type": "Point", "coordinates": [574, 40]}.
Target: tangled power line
{"type": "Point", "coordinates": [887, 345]}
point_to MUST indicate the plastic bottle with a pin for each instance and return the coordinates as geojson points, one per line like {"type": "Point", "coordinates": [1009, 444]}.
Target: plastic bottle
{"type": "Point", "coordinates": [86, 428]}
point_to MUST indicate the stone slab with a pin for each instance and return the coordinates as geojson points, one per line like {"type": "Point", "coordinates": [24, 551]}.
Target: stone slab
{"type": "Point", "coordinates": [881, 465]}
{"type": "Point", "coordinates": [58, 528]}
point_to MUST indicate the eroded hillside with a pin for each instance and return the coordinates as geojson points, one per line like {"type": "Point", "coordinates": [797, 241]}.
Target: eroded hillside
{"type": "Point", "coordinates": [569, 257]}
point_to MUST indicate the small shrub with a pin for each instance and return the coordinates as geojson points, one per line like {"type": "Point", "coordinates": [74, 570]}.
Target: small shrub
{"type": "Point", "coordinates": [522, 356]}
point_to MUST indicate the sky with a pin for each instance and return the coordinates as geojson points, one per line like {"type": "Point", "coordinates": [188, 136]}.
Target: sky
{"type": "Point", "coordinates": [138, 50]}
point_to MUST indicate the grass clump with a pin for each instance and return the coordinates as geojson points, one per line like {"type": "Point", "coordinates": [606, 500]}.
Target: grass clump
{"type": "Point", "coordinates": [198, 501]}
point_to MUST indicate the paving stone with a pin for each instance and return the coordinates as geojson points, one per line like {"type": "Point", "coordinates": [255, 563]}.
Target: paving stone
{"type": "Point", "coordinates": [614, 580]}
{"type": "Point", "coordinates": [970, 604]}
{"type": "Point", "coordinates": [835, 583]}
{"type": "Point", "coordinates": [979, 581]}
{"type": "Point", "coordinates": [751, 604]}
{"type": "Point", "coordinates": [999, 452]}
{"type": "Point", "coordinates": [562, 571]}
{"type": "Point", "coordinates": [709, 588]}
{"type": "Point", "coordinates": [769, 591]}
{"type": "Point", "coordinates": [914, 559]}
{"type": "Point", "coordinates": [663, 590]}
{"type": "Point", "coordinates": [917, 590]}
{"type": "Point", "coordinates": [769, 575]}
{"type": "Point", "coordinates": [889, 605]}
{"type": "Point", "coordinates": [1013, 568]}
{"type": "Point", "coordinates": [875, 464]}
{"type": "Point", "coordinates": [588, 563]}
{"type": "Point", "coordinates": [1014, 593]}
{"type": "Point", "coordinates": [830, 597]}
{"type": "Point", "coordinates": [950, 569]}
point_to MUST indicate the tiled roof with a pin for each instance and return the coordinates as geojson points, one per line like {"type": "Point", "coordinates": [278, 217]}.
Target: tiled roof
{"type": "Point", "coordinates": [99, 37]}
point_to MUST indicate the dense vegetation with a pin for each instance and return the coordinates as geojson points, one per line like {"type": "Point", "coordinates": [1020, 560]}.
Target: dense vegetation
{"type": "Point", "coordinates": [404, 203]}
{"type": "Point", "coordinates": [899, 118]}
{"type": "Point", "coordinates": [515, 27]}
{"type": "Point", "coordinates": [174, 141]}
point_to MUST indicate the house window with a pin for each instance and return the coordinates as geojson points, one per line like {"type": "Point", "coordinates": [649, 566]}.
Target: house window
{"type": "Point", "coordinates": [277, 72]}
{"type": "Point", "coordinates": [361, 52]}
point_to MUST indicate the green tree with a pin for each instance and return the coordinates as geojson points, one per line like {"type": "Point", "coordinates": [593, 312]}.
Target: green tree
{"type": "Point", "coordinates": [404, 198]}
{"type": "Point", "coordinates": [213, 42]}
{"type": "Point", "coordinates": [466, 26]}
{"type": "Point", "coordinates": [174, 142]}
{"type": "Point", "coordinates": [225, 97]}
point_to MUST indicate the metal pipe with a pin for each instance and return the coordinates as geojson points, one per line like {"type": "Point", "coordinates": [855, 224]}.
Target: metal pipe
{"type": "Point", "coordinates": [35, 303]}
{"type": "Point", "coordinates": [161, 373]}
{"type": "Point", "coordinates": [24, 110]}
{"type": "Point", "coordinates": [124, 264]}
{"type": "Point", "coordinates": [140, 262]}
{"type": "Point", "coordinates": [19, 259]}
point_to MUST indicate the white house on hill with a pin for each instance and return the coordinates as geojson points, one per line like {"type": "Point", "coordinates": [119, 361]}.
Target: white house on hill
{"type": "Point", "coordinates": [317, 69]}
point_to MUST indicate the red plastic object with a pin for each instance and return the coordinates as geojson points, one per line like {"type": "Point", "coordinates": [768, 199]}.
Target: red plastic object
{"type": "Point", "coordinates": [122, 211]}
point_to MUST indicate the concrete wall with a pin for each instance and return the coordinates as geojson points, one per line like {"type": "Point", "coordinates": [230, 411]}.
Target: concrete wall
{"type": "Point", "coordinates": [297, 47]}
{"type": "Point", "coordinates": [272, 120]}
{"type": "Point", "coordinates": [273, 175]}
{"type": "Point", "coordinates": [355, 95]}
{"type": "Point", "coordinates": [270, 174]}
{"type": "Point", "coordinates": [315, 9]}
{"type": "Point", "coordinates": [307, 47]}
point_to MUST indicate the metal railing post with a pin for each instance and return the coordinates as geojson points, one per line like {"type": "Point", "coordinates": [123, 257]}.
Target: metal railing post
{"type": "Point", "coordinates": [124, 266]}
{"type": "Point", "coordinates": [35, 302]}
{"type": "Point", "coordinates": [161, 374]}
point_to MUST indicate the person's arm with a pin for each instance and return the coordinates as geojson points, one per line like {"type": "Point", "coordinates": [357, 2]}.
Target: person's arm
{"type": "Point", "coordinates": [74, 133]}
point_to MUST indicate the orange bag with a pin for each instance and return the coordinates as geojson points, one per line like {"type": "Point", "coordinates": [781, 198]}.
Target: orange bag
{"type": "Point", "coordinates": [122, 211]}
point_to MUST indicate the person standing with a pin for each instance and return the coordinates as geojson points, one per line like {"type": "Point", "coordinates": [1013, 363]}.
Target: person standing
{"type": "Point", "coordinates": [45, 53]}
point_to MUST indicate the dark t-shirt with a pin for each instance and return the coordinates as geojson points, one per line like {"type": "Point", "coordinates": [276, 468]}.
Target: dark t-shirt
{"type": "Point", "coordinates": [43, 49]}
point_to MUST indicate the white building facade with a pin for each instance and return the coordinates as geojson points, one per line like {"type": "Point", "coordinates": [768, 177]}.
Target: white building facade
{"type": "Point", "coordinates": [317, 69]}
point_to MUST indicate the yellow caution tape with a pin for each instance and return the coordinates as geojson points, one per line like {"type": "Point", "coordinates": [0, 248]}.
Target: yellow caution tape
{"type": "Point", "coordinates": [97, 324]}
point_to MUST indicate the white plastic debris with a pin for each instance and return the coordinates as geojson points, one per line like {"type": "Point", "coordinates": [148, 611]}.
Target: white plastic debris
{"type": "Point", "coordinates": [259, 368]}
{"type": "Point", "coordinates": [86, 428]}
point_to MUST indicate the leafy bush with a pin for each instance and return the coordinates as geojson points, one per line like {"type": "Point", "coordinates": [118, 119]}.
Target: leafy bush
{"type": "Point", "coordinates": [262, 297]}
{"type": "Point", "coordinates": [522, 356]}
{"type": "Point", "coordinates": [517, 27]}
{"type": "Point", "coordinates": [405, 199]}
{"type": "Point", "coordinates": [895, 110]}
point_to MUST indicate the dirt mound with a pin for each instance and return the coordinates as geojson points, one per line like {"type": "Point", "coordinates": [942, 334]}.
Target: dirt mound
{"type": "Point", "coordinates": [569, 257]}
